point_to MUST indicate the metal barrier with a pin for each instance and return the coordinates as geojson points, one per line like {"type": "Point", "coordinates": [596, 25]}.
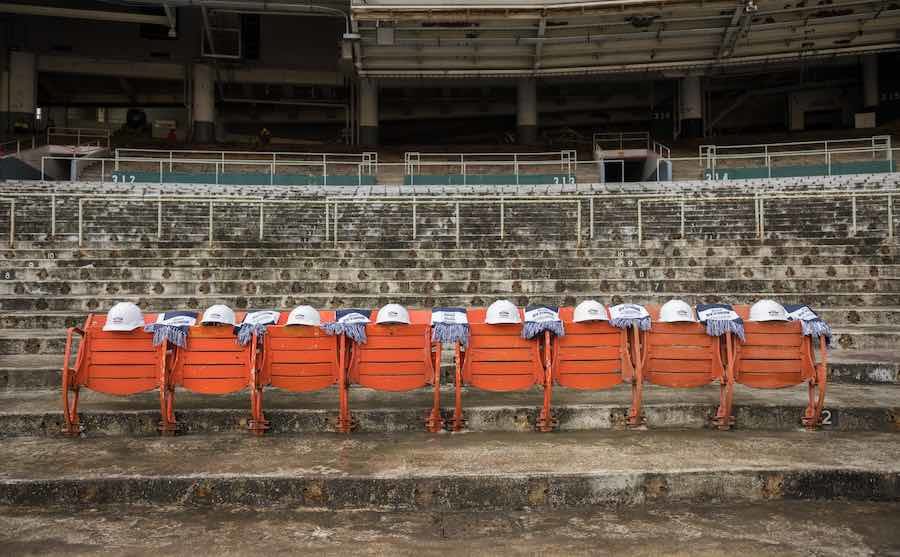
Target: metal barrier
{"type": "Point", "coordinates": [332, 215]}
{"type": "Point", "coordinates": [515, 171]}
{"type": "Point", "coordinates": [620, 141]}
{"type": "Point", "coordinates": [413, 160]}
{"type": "Point", "coordinates": [100, 135]}
{"type": "Point", "coordinates": [13, 147]}
{"type": "Point", "coordinates": [710, 154]}
{"type": "Point", "coordinates": [368, 160]}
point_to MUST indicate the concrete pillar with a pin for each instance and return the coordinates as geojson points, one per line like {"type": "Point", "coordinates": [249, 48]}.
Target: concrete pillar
{"type": "Point", "coordinates": [526, 112]}
{"type": "Point", "coordinates": [368, 112]}
{"type": "Point", "coordinates": [19, 98]}
{"type": "Point", "coordinates": [870, 81]}
{"type": "Point", "coordinates": [691, 109]}
{"type": "Point", "coordinates": [204, 104]}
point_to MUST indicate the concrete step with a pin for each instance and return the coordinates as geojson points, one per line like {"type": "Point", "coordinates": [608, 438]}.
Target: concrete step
{"type": "Point", "coordinates": [536, 287]}
{"type": "Point", "coordinates": [498, 471]}
{"type": "Point", "coordinates": [850, 408]}
{"type": "Point", "coordinates": [772, 272]}
{"type": "Point", "coordinates": [513, 260]}
{"type": "Point", "coordinates": [648, 527]}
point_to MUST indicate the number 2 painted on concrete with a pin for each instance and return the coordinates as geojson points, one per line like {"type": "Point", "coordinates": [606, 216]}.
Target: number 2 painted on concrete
{"type": "Point", "coordinates": [826, 417]}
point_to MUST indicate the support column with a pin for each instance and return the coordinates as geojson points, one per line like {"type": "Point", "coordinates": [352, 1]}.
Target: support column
{"type": "Point", "coordinates": [368, 112]}
{"type": "Point", "coordinates": [691, 109]}
{"type": "Point", "coordinates": [870, 82]}
{"type": "Point", "coordinates": [19, 97]}
{"type": "Point", "coordinates": [204, 104]}
{"type": "Point", "coordinates": [526, 112]}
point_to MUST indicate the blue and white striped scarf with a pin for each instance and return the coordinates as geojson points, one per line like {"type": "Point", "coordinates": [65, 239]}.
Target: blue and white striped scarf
{"type": "Point", "coordinates": [350, 322]}
{"type": "Point", "coordinates": [720, 319]}
{"type": "Point", "coordinates": [256, 322]}
{"type": "Point", "coordinates": [172, 326]}
{"type": "Point", "coordinates": [623, 316]}
{"type": "Point", "coordinates": [540, 318]}
{"type": "Point", "coordinates": [813, 325]}
{"type": "Point", "coordinates": [450, 325]}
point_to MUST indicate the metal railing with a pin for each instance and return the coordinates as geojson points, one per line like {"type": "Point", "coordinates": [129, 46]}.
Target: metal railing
{"type": "Point", "coordinates": [621, 141]}
{"type": "Point", "coordinates": [566, 158]}
{"type": "Point", "coordinates": [159, 167]}
{"type": "Point", "coordinates": [332, 215]}
{"type": "Point", "coordinates": [369, 160]}
{"type": "Point", "coordinates": [100, 135]}
{"type": "Point", "coordinates": [13, 147]}
{"type": "Point", "coordinates": [876, 143]}
{"type": "Point", "coordinates": [165, 170]}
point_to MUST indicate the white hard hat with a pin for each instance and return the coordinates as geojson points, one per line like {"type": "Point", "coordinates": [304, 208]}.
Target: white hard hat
{"type": "Point", "coordinates": [218, 313]}
{"type": "Point", "coordinates": [768, 310]}
{"type": "Point", "coordinates": [124, 316]}
{"type": "Point", "coordinates": [502, 311]}
{"type": "Point", "coordinates": [392, 313]}
{"type": "Point", "coordinates": [590, 310]}
{"type": "Point", "coordinates": [676, 311]}
{"type": "Point", "coordinates": [304, 315]}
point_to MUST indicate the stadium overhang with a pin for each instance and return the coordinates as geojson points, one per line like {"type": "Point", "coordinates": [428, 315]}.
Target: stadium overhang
{"type": "Point", "coordinates": [518, 38]}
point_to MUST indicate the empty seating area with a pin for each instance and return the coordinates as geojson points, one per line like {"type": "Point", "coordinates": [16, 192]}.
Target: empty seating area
{"type": "Point", "coordinates": [828, 243]}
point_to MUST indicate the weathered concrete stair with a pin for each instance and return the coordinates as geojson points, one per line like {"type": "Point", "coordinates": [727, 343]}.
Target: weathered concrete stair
{"type": "Point", "coordinates": [475, 471]}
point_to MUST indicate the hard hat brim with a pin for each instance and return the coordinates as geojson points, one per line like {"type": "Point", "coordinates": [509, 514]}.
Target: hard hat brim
{"type": "Point", "coordinates": [123, 327]}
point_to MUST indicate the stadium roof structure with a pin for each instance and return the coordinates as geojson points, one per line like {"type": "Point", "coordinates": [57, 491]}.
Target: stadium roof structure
{"type": "Point", "coordinates": [509, 38]}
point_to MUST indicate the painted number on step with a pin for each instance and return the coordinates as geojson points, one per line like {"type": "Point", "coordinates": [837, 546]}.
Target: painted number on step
{"type": "Point", "coordinates": [563, 180]}
{"type": "Point", "coordinates": [124, 178]}
{"type": "Point", "coordinates": [51, 255]}
{"type": "Point", "coordinates": [9, 275]}
{"type": "Point", "coordinates": [829, 417]}
{"type": "Point", "coordinates": [709, 175]}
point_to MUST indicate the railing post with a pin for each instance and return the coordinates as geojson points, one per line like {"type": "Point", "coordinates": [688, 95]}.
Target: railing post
{"type": "Point", "coordinates": [591, 216]}
{"type": "Point", "coordinates": [53, 216]}
{"type": "Point", "coordinates": [890, 216]}
{"type": "Point", "coordinates": [756, 215]}
{"type": "Point", "coordinates": [853, 214]}
{"type": "Point", "coordinates": [335, 221]}
{"type": "Point", "coordinates": [170, 161]}
{"type": "Point", "coordinates": [324, 172]}
{"type": "Point", "coordinates": [762, 217]}
{"type": "Point", "coordinates": [262, 220]}
{"type": "Point", "coordinates": [457, 225]}
{"type": "Point", "coordinates": [43, 174]}
{"type": "Point", "coordinates": [682, 217]}
{"type": "Point", "coordinates": [640, 232]}
{"type": "Point", "coordinates": [516, 167]}
{"type": "Point", "coordinates": [210, 224]}
{"type": "Point", "coordinates": [102, 171]}
{"type": "Point", "coordinates": [414, 218]}
{"type": "Point", "coordinates": [159, 228]}
{"type": "Point", "coordinates": [463, 173]}
{"type": "Point", "coordinates": [80, 222]}
{"type": "Point", "coordinates": [216, 164]}
{"type": "Point", "coordinates": [502, 218]}
{"type": "Point", "coordinates": [12, 224]}
{"type": "Point", "coordinates": [272, 174]}
{"type": "Point", "coordinates": [578, 225]}
{"type": "Point", "coordinates": [327, 218]}
{"type": "Point", "coordinates": [160, 172]}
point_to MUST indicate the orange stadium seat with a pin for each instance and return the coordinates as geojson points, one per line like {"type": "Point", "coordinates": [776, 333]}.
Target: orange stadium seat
{"type": "Point", "coordinates": [398, 358]}
{"type": "Point", "coordinates": [683, 355]}
{"type": "Point", "coordinates": [775, 355]}
{"type": "Point", "coordinates": [302, 358]}
{"type": "Point", "coordinates": [594, 355]}
{"type": "Point", "coordinates": [499, 359]}
{"type": "Point", "coordinates": [115, 363]}
{"type": "Point", "coordinates": [212, 362]}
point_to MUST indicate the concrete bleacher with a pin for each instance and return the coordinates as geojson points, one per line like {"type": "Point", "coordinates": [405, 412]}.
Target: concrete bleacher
{"type": "Point", "coordinates": [810, 251]}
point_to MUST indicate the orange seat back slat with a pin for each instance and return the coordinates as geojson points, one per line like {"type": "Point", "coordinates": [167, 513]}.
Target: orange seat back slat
{"type": "Point", "coordinates": [300, 358]}
{"type": "Point", "coordinates": [591, 356]}
{"type": "Point", "coordinates": [775, 354]}
{"type": "Point", "coordinates": [394, 357]}
{"type": "Point", "coordinates": [681, 354]}
{"type": "Point", "coordinates": [213, 362]}
{"type": "Point", "coordinates": [118, 362]}
{"type": "Point", "coordinates": [498, 358]}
